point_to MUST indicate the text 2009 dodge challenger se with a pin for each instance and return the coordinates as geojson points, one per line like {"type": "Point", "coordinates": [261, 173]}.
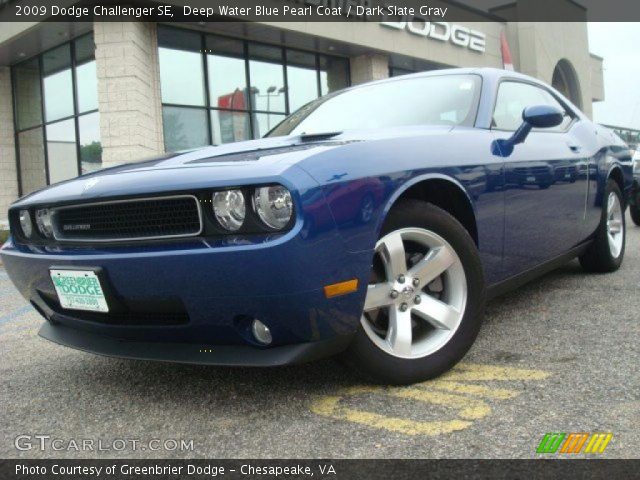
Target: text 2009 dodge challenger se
{"type": "Point", "coordinates": [373, 222]}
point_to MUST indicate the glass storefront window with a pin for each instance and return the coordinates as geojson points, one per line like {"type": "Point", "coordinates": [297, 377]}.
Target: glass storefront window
{"type": "Point", "coordinates": [61, 151]}
{"type": "Point", "coordinates": [87, 87]}
{"type": "Point", "coordinates": [181, 77]}
{"type": "Point", "coordinates": [90, 145]}
{"type": "Point", "coordinates": [184, 128]}
{"type": "Point", "coordinates": [302, 78]}
{"type": "Point", "coordinates": [86, 84]}
{"type": "Point", "coordinates": [181, 67]}
{"type": "Point", "coordinates": [264, 122]}
{"type": "Point", "coordinates": [48, 147]}
{"type": "Point", "coordinates": [85, 49]}
{"type": "Point", "coordinates": [227, 74]}
{"type": "Point", "coordinates": [58, 91]}
{"type": "Point", "coordinates": [229, 126]}
{"type": "Point", "coordinates": [267, 78]}
{"type": "Point", "coordinates": [244, 82]}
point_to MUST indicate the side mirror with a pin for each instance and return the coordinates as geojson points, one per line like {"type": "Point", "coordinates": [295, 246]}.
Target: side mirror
{"type": "Point", "coordinates": [542, 116]}
{"type": "Point", "coordinates": [538, 116]}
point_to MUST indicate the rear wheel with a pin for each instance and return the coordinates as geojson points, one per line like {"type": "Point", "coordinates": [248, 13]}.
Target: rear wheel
{"type": "Point", "coordinates": [425, 299]}
{"type": "Point", "coordinates": [635, 214]}
{"type": "Point", "coordinates": [606, 252]}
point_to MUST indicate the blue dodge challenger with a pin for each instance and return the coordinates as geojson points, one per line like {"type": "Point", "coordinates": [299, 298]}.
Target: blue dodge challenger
{"type": "Point", "coordinates": [373, 223]}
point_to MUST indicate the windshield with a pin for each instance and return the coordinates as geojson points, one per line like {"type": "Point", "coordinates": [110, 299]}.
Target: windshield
{"type": "Point", "coordinates": [435, 100]}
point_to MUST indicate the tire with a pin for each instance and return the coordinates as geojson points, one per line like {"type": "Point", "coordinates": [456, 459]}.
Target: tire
{"type": "Point", "coordinates": [606, 252]}
{"type": "Point", "coordinates": [635, 214]}
{"type": "Point", "coordinates": [432, 350]}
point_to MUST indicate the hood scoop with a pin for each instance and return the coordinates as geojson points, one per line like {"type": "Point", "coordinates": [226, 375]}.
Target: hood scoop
{"type": "Point", "coordinates": [255, 155]}
{"type": "Point", "coordinates": [314, 137]}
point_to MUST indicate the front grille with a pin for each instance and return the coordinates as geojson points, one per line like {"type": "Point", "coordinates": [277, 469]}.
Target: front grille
{"type": "Point", "coordinates": [127, 318]}
{"type": "Point", "coordinates": [140, 315]}
{"type": "Point", "coordinates": [136, 219]}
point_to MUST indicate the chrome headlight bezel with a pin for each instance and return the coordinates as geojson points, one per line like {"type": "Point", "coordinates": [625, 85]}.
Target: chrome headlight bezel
{"type": "Point", "coordinates": [273, 205]}
{"type": "Point", "coordinates": [44, 222]}
{"type": "Point", "coordinates": [232, 215]}
{"type": "Point", "coordinates": [26, 223]}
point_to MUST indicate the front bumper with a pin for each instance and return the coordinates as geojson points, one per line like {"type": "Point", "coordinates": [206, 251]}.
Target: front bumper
{"type": "Point", "coordinates": [220, 286]}
{"type": "Point", "coordinates": [225, 355]}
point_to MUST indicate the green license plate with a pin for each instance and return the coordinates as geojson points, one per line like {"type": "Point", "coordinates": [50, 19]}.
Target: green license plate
{"type": "Point", "coordinates": [79, 290]}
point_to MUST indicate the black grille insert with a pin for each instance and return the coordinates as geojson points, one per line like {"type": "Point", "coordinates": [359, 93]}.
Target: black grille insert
{"type": "Point", "coordinates": [173, 313]}
{"type": "Point", "coordinates": [135, 219]}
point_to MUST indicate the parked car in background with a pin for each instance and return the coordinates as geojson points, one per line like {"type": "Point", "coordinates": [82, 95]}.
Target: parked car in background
{"type": "Point", "coordinates": [540, 174]}
{"type": "Point", "coordinates": [566, 173]}
{"type": "Point", "coordinates": [373, 223]}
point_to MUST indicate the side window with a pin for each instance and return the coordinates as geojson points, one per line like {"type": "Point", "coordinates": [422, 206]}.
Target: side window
{"type": "Point", "coordinates": [514, 97]}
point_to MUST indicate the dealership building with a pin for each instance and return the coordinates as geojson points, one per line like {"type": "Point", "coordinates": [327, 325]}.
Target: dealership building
{"type": "Point", "coordinates": [75, 97]}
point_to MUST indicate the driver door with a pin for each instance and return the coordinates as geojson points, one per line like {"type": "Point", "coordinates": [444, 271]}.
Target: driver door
{"type": "Point", "coordinates": [544, 192]}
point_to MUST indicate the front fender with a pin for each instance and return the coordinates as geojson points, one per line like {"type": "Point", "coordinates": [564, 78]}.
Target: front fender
{"type": "Point", "coordinates": [360, 207]}
{"type": "Point", "coordinates": [412, 182]}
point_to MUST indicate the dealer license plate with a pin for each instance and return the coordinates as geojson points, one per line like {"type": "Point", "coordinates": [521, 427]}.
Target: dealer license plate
{"type": "Point", "coordinates": [79, 290]}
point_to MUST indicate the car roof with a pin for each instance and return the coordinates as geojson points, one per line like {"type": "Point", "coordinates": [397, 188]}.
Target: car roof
{"type": "Point", "coordinates": [486, 72]}
{"type": "Point", "coordinates": [492, 75]}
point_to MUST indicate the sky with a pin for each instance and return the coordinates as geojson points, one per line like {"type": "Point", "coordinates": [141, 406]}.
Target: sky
{"type": "Point", "coordinates": [619, 45]}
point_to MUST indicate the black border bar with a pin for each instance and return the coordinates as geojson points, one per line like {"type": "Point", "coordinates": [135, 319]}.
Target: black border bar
{"type": "Point", "coordinates": [321, 469]}
{"type": "Point", "coordinates": [320, 10]}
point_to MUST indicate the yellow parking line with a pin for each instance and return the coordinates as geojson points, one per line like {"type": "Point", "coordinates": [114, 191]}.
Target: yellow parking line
{"type": "Point", "coordinates": [468, 408]}
{"type": "Point", "coordinates": [330, 407]}
{"type": "Point", "coordinates": [470, 389]}
{"type": "Point", "coordinates": [462, 400]}
{"type": "Point", "coordinates": [479, 372]}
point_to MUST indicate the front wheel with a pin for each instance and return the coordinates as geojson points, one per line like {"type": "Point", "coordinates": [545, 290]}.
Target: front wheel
{"type": "Point", "coordinates": [425, 300]}
{"type": "Point", "coordinates": [606, 252]}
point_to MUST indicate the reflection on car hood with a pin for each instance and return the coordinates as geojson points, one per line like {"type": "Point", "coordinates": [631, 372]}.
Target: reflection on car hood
{"type": "Point", "coordinates": [235, 163]}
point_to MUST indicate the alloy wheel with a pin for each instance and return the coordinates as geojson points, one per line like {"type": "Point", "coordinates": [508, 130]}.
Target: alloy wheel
{"type": "Point", "coordinates": [417, 296]}
{"type": "Point", "coordinates": [615, 225]}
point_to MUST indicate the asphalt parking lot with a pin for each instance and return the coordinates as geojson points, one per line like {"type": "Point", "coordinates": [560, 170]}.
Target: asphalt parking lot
{"type": "Point", "coordinates": [561, 354]}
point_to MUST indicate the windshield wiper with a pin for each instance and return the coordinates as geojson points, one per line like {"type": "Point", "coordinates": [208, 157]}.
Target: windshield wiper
{"type": "Point", "coordinates": [309, 137]}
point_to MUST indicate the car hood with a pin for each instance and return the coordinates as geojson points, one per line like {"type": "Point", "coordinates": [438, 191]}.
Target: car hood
{"type": "Point", "coordinates": [255, 161]}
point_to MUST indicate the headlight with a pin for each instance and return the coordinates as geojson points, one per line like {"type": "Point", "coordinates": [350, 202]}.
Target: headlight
{"type": "Point", "coordinates": [25, 223]}
{"type": "Point", "coordinates": [229, 209]}
{"type": "Point", "coordinates": [273, 205]}
{"type": "Point", "coordinates": [43, 220]}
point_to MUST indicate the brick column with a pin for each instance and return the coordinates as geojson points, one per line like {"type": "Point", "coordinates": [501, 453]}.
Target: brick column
{"type": "Point", "coordinates": [8, 171]}
{"type": "Point", "coordinates": [369, 67]}
{"type": "Point", "coordinates": [128, 91]}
